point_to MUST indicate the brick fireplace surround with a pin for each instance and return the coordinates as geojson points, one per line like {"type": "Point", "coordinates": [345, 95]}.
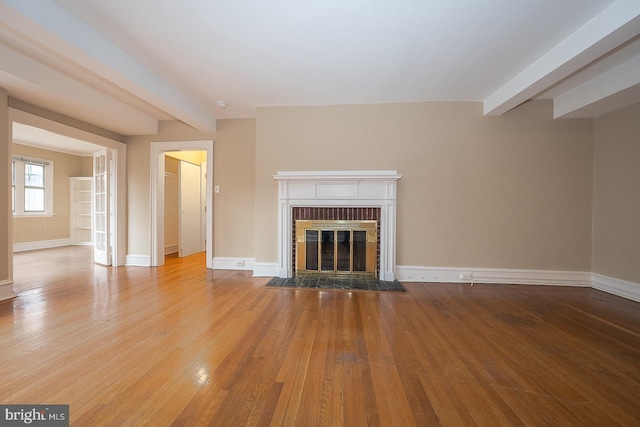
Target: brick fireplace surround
{"type": "Point", "coordinates": [351, 195]}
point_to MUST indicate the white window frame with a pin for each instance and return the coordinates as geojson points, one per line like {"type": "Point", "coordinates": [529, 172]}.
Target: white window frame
{"type": "Point", "coordinates": [19, 190]}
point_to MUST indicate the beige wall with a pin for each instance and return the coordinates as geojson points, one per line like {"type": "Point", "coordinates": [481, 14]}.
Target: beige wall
{"type": "Point", "coordinates": [517, 191]}
{"type": "Point", "coordinates": [87, 166]}
{"type": "Point", "coordinates": [38, 228]}
{"type": "Point", "coordinates": [499, 192]}
{"type": "Point", "coordinates": [616, 201]}
{"type": "Point", "coordinates": [233, 171]}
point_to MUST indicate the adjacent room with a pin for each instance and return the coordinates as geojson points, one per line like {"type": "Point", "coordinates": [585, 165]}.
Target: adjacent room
{"type": "Point", "coordinates": [331, 213]}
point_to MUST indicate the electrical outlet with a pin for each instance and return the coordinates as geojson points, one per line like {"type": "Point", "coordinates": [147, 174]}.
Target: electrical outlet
{"type": "Point", "coordinates": [240, 263]}
{"type": "Point", "coordinates": [464, 276]}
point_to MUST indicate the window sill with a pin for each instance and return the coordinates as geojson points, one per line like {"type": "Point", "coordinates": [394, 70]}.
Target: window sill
{"type": "Point", "coordinates": [33, 215]}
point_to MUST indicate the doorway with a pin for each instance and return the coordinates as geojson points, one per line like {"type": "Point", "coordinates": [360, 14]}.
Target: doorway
{"type": "Point", "coordinates": [157, 166]}
{"type": "Point", "coordinates": [43, 134]}
{"type": "Point", "coordinates": [185, 203]}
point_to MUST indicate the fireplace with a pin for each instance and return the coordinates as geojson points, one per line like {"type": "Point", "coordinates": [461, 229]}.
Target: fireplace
{"type": "Point", "coordinates": [336, 240]}
{"type": "Point", "coordinates": [336, 208]}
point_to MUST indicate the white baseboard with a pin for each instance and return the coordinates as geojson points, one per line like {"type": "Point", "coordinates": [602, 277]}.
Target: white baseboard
{"type": "Point", "coordinates": [405, 273]}
{"type": "Point", "coordinates": [230, 263]}
{"type": "Point", "coordinates": [621, 288]}
{"type": "Point", "coordinates": [265, 269]}
{"type": "Point", "coordinates": [6, 290]}
{"type": "Point", "coordinates": [138, 260]}
{"type": "Point", "coordinates": [41, 244]}
{"type": "Point", "coordinates": [171, 249]}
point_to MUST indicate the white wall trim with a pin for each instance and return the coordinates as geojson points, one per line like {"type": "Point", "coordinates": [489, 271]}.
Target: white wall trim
{"type": "Point", "coordinates": [406, 273]}
{"type": "Point", "coordinates": [138, 261]}
{"type": "Point", "coordinates": [171, 249]}
{"type": "Point", "coordinates": [617, 287]}
{"type": "Point", "coordinates": [6, 290]}
{"type": "Point", "coordinates": [41, 244]}
{"type": "Point", "coordinates": [265, 269]}
{"type": "Point", "coordinates": [230, 263]}
{"type": "Point", "coordinates": [119, 157]}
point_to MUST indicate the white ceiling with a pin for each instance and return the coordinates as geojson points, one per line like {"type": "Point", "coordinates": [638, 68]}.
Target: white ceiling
{"type": "Point", "coordinates": [124, 65]}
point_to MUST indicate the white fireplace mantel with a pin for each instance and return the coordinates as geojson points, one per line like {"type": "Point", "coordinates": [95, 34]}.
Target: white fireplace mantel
{"type": "Point", "coordinates": [367, 188]}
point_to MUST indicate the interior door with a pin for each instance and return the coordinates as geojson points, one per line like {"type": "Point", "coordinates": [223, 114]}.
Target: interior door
{"type": "Point", "coordinates": [203, 205]}
{"type": "Point", "coordinates": [189, 218]}
{"type": "Point", "coordinates": [102, 207]}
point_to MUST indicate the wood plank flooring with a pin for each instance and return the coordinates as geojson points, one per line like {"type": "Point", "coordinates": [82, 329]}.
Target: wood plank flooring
{"type": "Point", "coordinates": [181, 345]}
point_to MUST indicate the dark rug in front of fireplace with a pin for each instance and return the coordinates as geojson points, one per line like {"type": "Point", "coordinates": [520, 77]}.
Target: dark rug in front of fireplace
{"type": "Point", "coordinates": [337, 282]}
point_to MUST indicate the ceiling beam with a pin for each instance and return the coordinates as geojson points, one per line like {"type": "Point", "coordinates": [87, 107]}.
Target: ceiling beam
{"type": "Point", "coordinates": [618, 84]}
{"type": "Point", "coordinates": [93, 103]}
{"type": "Point", "coordinates": [615, 25]}
{"type": "Point", "coordinates": [62, 33]}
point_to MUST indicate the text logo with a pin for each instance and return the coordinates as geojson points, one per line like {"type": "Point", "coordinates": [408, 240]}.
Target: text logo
{"type": "Point", "coordinates": [34, 415]}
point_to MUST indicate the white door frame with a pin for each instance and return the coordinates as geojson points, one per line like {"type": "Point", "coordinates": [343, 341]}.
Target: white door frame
{"type": "Point", "coordinates": [156, 163]}
{"type": "Point", "coordinates": [119, 249]}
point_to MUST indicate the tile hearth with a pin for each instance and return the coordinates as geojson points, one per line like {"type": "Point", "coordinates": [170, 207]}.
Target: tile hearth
{"type": "Point", "coordinates": [351, 282]}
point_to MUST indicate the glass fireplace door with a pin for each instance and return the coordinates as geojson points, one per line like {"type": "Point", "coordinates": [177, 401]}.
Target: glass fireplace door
{"type": "Point", "coordinates": [342, 247]}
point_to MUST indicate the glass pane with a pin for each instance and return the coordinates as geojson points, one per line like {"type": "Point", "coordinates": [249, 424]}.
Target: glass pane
{"type": "Point", "coordinates": [33, 175]}
{"type": "Point", "coordinates": [98, 203]}
{"type": "Point", "coordinates": [327, 253]}
{"type": "Point", "coordinates": [34, 200]}
{"type": "Point", "coordinates": [98, 167]}
{"type": "Point", "coordinates": [99, 184]}
{"type": "Point", "coordinates": [311, 243]}
{"type": "Point", "coordinates": [99, 245]}
{"type": "Point", "coordinates": [359, 250]}
{"type": "Point", "coordinates": [99, 222]}
{"type": "Point", "coordinates": [344, 250]}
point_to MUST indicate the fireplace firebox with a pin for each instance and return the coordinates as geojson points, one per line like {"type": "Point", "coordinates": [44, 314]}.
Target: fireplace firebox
{"type": "Point", "coordinates": [336, 247]}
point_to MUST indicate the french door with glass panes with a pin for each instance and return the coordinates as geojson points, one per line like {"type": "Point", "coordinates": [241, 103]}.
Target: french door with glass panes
{"type": "Point", "coordinates": [102, 207]}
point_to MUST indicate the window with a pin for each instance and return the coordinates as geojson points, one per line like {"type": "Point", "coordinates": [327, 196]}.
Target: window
{"type": "Point", "coordinates": [32, 186]}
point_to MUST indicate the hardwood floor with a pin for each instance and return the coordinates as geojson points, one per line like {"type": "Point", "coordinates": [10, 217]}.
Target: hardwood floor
{"type": "Point", "coordinates": [182, 345]}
